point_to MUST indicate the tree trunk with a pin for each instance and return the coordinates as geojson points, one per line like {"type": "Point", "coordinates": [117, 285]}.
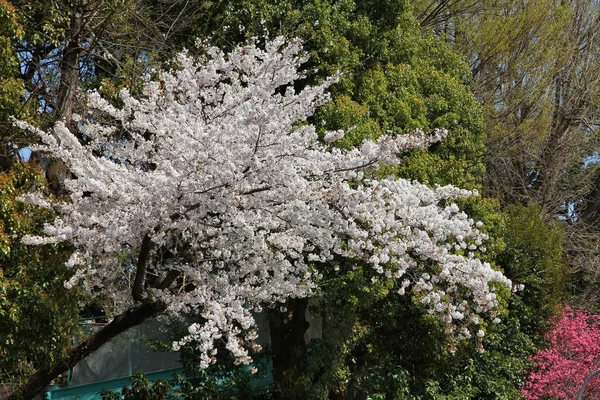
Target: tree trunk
{"type": "Point", "coordinates": [287, 329]}
{"type": "Point", "coordinates": [69, 69]}
{"type": "Point", "coordinates": [69, 79]}
{"type": "Point", "coordinates": [130, 318]}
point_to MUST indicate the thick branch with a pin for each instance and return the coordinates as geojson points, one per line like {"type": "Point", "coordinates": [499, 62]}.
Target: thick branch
{"type": "Point", "coordinates": [140, 274]}
{"type": "Point", "coordinates": [130, 318]}
{"type": "Point", "coordinates": [69, 69]}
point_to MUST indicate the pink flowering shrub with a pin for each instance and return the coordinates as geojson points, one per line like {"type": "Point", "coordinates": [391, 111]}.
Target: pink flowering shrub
{"type": "Point", "coordinates": [573, 354]}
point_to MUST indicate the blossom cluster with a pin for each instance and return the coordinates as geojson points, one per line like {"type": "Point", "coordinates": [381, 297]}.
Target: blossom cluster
{"type": "Point", "coordinates": [573, 353]}
{"type": "Point", "coordinates": [217, 164]}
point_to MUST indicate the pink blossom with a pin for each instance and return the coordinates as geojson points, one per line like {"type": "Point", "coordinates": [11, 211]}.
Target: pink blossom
{"type": "Point", "coordinates": [573, 353]}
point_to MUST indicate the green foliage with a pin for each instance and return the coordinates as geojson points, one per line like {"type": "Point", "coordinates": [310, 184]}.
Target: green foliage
{"type": "Point", "coordinates": [11, 86]}
{"type": "Point", "coordinates": [529, 250]}
{"type": "Point", "coordinates": [141, 389]}
{"type": "Point", "coordinates": [38, 316]}
{"type": "Point", "coordinates": [496, 373]}
{"type": "Point", "coordinates": [11, 30]}
{"type": "Point", "coordinates": [43, 24]}
{"type": "Point", "coordinates": [224, 379]}
{"type": "Point", "coordinates": [400, 352]}
{"type": "Point", "coordinates": [534, 257]}
{"type": "Point", "coordinates": [221, 381]}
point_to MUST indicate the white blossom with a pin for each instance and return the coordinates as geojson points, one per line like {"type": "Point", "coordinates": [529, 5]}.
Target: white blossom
{"type": "Point", "coordinates": [333, 136]}
{"type": "Point", "coordinates": [216, 164]}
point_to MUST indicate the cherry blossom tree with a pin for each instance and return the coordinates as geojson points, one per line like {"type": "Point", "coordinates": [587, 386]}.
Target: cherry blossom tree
{"type": "Point", "coordinates": [212, 192]}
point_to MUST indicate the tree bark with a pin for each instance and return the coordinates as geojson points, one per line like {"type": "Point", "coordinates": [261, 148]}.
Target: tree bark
{"type": "Point", "coordinates": [69, 69]}
{"type": "Point", "coordinates": [140, 276]}
{"type": "Point", "coordinates": [69, 78]}
{"type": "Point", "coordinates": [130, 318]}
{"type": "Point", "coordinates": [287, 329]}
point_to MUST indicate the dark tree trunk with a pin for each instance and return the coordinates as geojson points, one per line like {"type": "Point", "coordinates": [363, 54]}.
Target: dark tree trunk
{"type": "Point", "coordinates": [69, 69]}
{"type": "Point", "coordinates": [287, 330]}
{"type": "Point", "coordinates": [130, 318]}
{"type": "Point", "coordinates": [69, 79]}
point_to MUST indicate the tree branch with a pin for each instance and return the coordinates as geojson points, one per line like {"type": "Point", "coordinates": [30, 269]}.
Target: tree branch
{"type": "Point", "coordinates": [130, 318]}
{"type": "Point", "coordinates": [137, 292]}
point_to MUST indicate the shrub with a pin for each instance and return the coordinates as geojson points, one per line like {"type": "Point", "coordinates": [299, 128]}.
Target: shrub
{"type": "Point", "coordinates": [573, 353]}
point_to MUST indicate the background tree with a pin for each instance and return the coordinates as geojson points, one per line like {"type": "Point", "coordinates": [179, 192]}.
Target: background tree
{"type": "Point", "coordinates": [534, 72]}
{"type": "Point", "coordinates": [11, 87]}
{"type": "Point", "coordinates": [38, 316]}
